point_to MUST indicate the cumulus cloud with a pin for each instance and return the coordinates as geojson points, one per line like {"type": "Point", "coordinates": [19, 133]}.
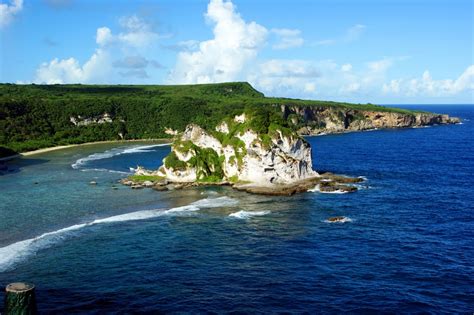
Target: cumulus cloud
{"type": "Point", "coordinates": [136, 35]}
{"type": "Point", "coordinates": [290, 75]}
{"type": "Point", "coordinates": [427, 86]}
{"type": "Point", "coordinates": [70, 71]}
{"type": "Point", "coordinates": [8, 11]}
{"type": "Point", "coordinates": [187, 45]}
{"type": "Point", "coordinates": [325, 78]}
{"type": "Point", "coordinates": [287, 38]}
{"type": "Point", "coordinates": [235, 44]}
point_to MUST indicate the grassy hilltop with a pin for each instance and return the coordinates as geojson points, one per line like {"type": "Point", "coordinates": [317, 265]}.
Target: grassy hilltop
{"type": "Point", "coordinates": [38, 116]}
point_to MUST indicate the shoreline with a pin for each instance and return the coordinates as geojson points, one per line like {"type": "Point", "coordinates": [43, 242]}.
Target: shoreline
{"type": "Point", "coordinates": [61, 147]}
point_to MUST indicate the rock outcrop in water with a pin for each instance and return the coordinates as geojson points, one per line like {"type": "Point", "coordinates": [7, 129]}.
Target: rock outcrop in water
{"type": "Point", "coordinates": [313, 120]}
{"type": "Point", "coordinates": [280, 157]}
{"type": "Point", "coordinates": [277, 162]}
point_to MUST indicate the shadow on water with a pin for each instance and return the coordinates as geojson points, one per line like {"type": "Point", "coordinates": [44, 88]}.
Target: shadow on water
{"type": "Point", "coordinates": [15, 165]}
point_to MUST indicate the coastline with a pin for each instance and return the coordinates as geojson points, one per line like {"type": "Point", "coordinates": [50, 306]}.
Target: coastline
{"type": "Point", "coordinates": [61, 147]}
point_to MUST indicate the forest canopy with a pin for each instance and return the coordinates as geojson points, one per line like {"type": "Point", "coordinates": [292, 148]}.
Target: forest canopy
{"type": "Point", "coordinates": [38, 116]}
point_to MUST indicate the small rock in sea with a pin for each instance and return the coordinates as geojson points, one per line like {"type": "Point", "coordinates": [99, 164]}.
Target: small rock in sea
{"type": "Point", "coordinates": [137, 186]}
{"type": "Point", "coordinates": [170, 187]}
{"type": "Point", "coordinates": [160, 188]}
{"type": "Point", "coordinates": [114, 187]}
{"type": "Point", "coordinates": [147, 183]}
{"type": "Point", "coordinates": [92, 183]}
{"type": "Point", "coordinates": [337, 219]}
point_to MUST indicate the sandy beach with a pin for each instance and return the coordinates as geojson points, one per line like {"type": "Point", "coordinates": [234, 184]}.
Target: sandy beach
{"type": "Point", "coordinates": [61, 147]}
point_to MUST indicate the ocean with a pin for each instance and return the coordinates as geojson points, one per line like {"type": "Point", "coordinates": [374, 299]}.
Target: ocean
{"type": "Point", "coordinates": [407, 245]}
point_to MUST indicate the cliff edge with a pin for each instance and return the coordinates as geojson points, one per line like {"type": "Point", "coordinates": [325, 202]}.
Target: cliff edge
{"type": "Point", "coordinates": [314, 120]}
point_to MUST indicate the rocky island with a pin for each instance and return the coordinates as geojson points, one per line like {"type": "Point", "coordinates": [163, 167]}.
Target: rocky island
{"type": "Point", "coordinates": [276, 162]}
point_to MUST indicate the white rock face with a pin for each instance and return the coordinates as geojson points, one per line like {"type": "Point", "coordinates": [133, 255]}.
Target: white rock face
{"type": "Point", "coordinates": [81, 121]}
{"type": "Point", "coordinates": [240, 118]}
{"type": "Point", "coordinates": [223, 127]}
{"type": "Point", "coordinates": [178, 176]}
{"type": "Point", "coordinates": [285, 160]}
{"type": "Point", "coordinates": [201, 138]}
{"type": "Point", "coordinates": [248, 137]}
{"type": "Point", "coordinates": [170, 131]}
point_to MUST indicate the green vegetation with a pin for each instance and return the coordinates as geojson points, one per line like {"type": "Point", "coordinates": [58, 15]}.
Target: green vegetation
{"type": "Point", "coordinates": [144, 178]}
{"type": "Point", "coordinates": [172, 161]}
{"type": "Point", "coordinates": [38, 116]}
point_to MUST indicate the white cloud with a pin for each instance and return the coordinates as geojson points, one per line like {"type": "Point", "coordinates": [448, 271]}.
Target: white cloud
{"type": "Point", "coordinates": [379, 66]}
{"type": "Point", "coordinates": [290, 75]}
{"type": "Point", "coordinates": [352, 34]}
{"type": "Point", "coordinates": [137, 33]}
{"type": "Point", "coordinates": [322, 79]}
{"type": "Point", "coordinates": [287, 38]}
{"type": "Point", "coordinates": [187, 45]}
{"type": "Point", "coordinates": [346, 67]}
{"type": "Point", "coordinates": [8, 12]}
{"type": "Point", "coordinates": [223, 58]}
{"type": "Point", "coordinates": [288, 68]}
{"type": "Point", "coordinates": [103, 36]}
{"type": "Point", "coordinates": [70, 71]}
{"type": "Point", "coordinates": [427, 86]}
{"type": "Point", "coordinates": [136, 36]}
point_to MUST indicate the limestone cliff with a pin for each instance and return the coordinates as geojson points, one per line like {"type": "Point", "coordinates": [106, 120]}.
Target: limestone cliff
{"type": "Point", "coordinates": [313, 120]}
{"type": "Point", "coordinates": [238, 154]}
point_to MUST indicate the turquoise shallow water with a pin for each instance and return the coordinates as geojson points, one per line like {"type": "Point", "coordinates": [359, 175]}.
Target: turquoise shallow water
{"type": "Point", "coordinates": [407, 247]}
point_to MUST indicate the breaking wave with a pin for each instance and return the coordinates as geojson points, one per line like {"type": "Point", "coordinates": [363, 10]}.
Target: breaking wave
{"type": "Point", "coordinates": [19, 251]}
{"type": "Point", "coordinates": [115, 152]}
{"type": "Point", "coordinates": [248, 214]}
{"type": "Point", "coordinates": [318, 189]}
{"type": "Point", "coordinates": [343, 220]}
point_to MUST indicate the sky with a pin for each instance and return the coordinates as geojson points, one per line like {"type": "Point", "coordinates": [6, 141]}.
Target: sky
{"type": "Point", "coordinates": [364, 51]}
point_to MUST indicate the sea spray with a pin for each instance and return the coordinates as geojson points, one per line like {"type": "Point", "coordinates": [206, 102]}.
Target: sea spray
{"type": "Point", "coordinates": [317, 188]}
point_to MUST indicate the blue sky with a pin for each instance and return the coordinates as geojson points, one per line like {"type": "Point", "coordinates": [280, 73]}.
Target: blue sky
{"type": "Point", "coordinates": [359, 51]}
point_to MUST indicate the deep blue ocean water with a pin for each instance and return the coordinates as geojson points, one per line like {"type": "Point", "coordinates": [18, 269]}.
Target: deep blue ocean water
{"type": "Point", "coordinates": [409, 247]}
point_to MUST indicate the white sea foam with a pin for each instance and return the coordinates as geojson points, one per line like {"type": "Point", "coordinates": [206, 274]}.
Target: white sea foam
{"type": "Point", "coordinates": [209, 192]}
{"type": "Point", "coordinates": [318, 189]}
{"type": "Point", "coordinates": [19, 251]}
{"type": "Point", "coordinates": [114, 152]}
{"type": "Point", "coordinates": [104, 170]}
{"type": "Point", "coordinates": [216, 202]}
{"type": "Point", "coordinates": [247, 214]}
{"type": "Point", "coordinates": [343, 220]}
